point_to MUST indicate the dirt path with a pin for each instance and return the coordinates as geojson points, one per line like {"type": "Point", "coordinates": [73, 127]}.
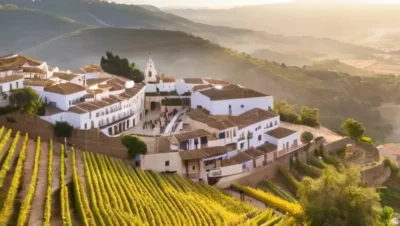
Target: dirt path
{"type": "Point", "coordinates": [28, 168]}
{"type": "Point", "coordinates": [55, 186]}
{"type": "Point", "coordinates": [6, 147]}
{"type": "Point", "coordinates": [80, 167]}
{"type": "Point", "coordinates": [39, 199]}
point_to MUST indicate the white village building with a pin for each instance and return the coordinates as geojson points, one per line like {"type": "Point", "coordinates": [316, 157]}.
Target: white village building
{"type": "Point", "coordinates": [88, 99]}
{"type": "Point", "coordinates": [223, 130]}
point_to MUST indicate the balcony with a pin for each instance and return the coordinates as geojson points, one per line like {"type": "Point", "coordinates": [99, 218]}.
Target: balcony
{"type": "Point", "coordinates": [241, 139]}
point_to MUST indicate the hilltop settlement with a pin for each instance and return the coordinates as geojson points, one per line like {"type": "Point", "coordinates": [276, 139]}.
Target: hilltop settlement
{"type": "Point", "coordinates": [203, 128]}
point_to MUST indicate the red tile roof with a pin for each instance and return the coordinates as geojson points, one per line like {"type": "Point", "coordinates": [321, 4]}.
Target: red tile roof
{"type": "Point", "coordinates": [231, 92]}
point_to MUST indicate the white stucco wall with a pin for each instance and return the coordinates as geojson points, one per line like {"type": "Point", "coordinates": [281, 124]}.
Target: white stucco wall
{"type": "Point", "coordinates": [157, 162]}
{"type": "Point", "coordinates": [61, 101]}
{"type": "Point", "coordinates": [237, 106]}
{"type": "Point", "coordinates": [17, 84]}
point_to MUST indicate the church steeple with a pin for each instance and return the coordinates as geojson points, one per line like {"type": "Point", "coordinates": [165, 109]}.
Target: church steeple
{"type": "Point", "coordinates": [150, 72]}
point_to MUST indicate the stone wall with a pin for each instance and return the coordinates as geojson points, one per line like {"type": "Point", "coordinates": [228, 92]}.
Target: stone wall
{"type": "Point", "coordinates": [333, 146]}
{"type": "Point", "coordinates": [96, 141]}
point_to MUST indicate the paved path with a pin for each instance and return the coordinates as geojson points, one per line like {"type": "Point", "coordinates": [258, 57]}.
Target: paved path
{"type": "Point", "coordinates": [329, 135]}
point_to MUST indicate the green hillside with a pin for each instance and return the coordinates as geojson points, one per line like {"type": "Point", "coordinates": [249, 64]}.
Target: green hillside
{"type": "Point", "coordinates": [23, 29]}
{"type": "Point", "coordinates": [102, 14]}
{"type": "Point", "coordinates": [337, 66]}
{"type": "Point", "coordinates": [182, 55]}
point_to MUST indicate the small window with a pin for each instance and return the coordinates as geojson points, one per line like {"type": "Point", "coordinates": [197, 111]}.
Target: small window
{"type": "Point", "coordinates": [241, 145]}
{"type": "Point", "coordinates": [193, 167]}
{"type": "Point", "coordinates": [259, 137]}
{"type": "Point", "coordinates": [227, 134]}
{"type": "Point", "coordinates": [276, 122]}
{"type": "Point", "coordinates": [85, 125]}
{"type": "Point", "coordinates": [17, 84]}
{"type": "Point", "coordinates": [166, 163]}
{"type": "Point", "coordinates": [242, 106]}
{"type": "Point", "coordinates": [221, 135]}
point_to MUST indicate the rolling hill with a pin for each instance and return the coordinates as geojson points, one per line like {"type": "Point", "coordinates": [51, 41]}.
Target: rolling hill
{"type": "Point", "coordinates": [180, 54]}
{"type": "Point", "coordinates": [104, 14]}
{"type": "Point", "coordinates": [26, 28]}
{"type": "Point", "coordinates": [357, 23]}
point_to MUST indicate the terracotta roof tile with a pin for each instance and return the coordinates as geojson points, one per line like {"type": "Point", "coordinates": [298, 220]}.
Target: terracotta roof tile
{"type": "Point", "coordinates": [221, 124]}
{"type": "Point", "coordinates": [280, 132]}
{"type": "Point", "coordinates": [231, 92]}
{"type": "Point", "coordinates": [193, 81]}
{"type": "Point", "coordinates": [17, 61]}
{"type": "Point", "coordinates": [251, 117]}
{"type": "Point", "coordinates": [38, 82]}
{"type": "Point", "coordinates": [215, 81]}
{"type": "Point", "coordinates": [91, 68]}
{"type": "Point", "coordinates": [34, 70]}
{"type": "Point", "coordinates": [11, 78]}
{"type": "Point", "coordinates": [65, 75]}
{"type": "Point", "coordinates": [201, 87]}
{"type": "Point", "coordinates": [202, 153]}
{"type": "Point", "coordinates": [191, 134]}
{"type": "Point", "coordinates": [253, 152]}
{"type": "Point", "coordinates": [95, 81]}
{"type": "Point", "coordinates": [240, 158]}
{"type": "Point", "coordinates": [65, 88]}
{"type": "Point", "coordinates": [267, 148]}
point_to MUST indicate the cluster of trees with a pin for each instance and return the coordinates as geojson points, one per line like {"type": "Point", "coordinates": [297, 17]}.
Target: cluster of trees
{"type": "Point", "coordinates": [26, 100]}
{"type": "Point", "coordinates": [135, 145]}
{"type": "Point", "coordinates": [116, 65]}
{"type": "Point", "coordinates": [308, 116]}
{"type": "Point", "coordinates": [341, 199]}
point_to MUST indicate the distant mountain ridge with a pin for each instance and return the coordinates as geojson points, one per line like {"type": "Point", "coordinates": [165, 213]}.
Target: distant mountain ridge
{"type": "Point", "coordinates": [104, 14]}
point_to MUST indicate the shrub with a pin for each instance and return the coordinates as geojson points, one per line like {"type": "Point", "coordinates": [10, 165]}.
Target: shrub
{"type": "Point", "coordinates": [366, 139]}
{"type": "Point", "coordinates": [394, 169]}
{"type": "Point", "coordinates": [290, 181]}
{"type": "Point", "coordinates": [308, 170]}
{"type": "Point", "coordinates": [341, 152]}
{"type": "Point", "coordinates": [281, 205]}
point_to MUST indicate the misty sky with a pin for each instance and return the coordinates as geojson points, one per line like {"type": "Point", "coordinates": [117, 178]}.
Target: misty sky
{"type": "Point", "coordinates": [232, 3]}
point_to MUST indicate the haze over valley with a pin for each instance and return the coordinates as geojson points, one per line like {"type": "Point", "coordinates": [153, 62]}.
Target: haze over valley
{"type": "Point", "coordinates": [341, 78]}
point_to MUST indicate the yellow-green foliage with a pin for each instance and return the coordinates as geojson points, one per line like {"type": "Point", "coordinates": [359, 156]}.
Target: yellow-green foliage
{"type": "Point", "coordinates": [8, 205]}
{"type": "Point", "coordinates": [26, 204]}
{"type": "Point", "coordinates": [4, 140]}
{"type": "Point", "coordinates": [64, 197]}
{"type": "Point", "coordinates": [81, 202]}
{"type": "Point", "coordinates": [124, 196]}
{"type": "Point", "coordinates": [8, 161]}
{"type": "Point", "coordinates": [271, 200]}
{"type": "Point", "coordinates": [47, 208]}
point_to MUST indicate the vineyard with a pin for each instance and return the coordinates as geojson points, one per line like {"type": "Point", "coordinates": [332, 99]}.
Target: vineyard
{"type": "Point", "coordinates": [45, 183]}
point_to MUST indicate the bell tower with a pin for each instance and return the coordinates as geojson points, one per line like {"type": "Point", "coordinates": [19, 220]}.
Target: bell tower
{"type": "Point", "coordinates": [150, 72]}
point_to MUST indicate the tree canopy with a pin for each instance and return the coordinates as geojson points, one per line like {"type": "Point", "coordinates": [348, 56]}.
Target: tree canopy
{"type": "Point", "coordinates": [306, 137]}
{"type": "Point", "coordinates": [26, 100]}
{"type": "Point", "coordinates": [113, 64]}
{"type": "Point", "coordinates": [286, 111]}
{"type": "Point", "coordinates": [339, 199]}
{"type": "Point", "coordinates": [353, 129]}
{"type": "Point", "coordinates": [63, 129]}
{"type": "Point", "coordinates": [309, 116]}
{"type": "Point", "coordinates": [135, 145]}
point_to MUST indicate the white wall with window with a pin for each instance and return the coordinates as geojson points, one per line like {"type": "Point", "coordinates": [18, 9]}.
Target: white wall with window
{"type": "Point", "coordinates": [63, 102]}
{"type": "Point", "coordinates": [162, 162]}
{"type": "Point", "coordinates": [230, 106]}
{"type": "Point", "coordinates": [6, 87]}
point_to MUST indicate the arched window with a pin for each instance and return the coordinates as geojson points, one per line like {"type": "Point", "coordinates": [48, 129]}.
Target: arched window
{"type": "Point", "coordinates": [150, 73]}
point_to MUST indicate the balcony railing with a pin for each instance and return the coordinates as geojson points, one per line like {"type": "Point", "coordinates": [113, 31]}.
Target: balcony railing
{"type": "Point", "coordinates": [241, 138]}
